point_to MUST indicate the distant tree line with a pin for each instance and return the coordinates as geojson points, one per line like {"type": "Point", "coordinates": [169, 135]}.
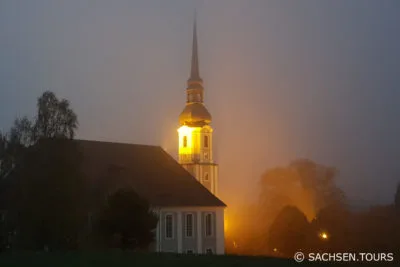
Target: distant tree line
{"type": "Point", "coordinates": [301, 209]}
{"type": "Point", "coordinates": [43, 190]}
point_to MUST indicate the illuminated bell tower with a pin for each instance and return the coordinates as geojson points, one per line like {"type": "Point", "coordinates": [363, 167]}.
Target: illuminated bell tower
{"type": "Point", "coordinates": [195, 132]}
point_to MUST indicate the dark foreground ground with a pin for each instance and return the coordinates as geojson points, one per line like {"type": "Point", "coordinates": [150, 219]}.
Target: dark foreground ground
{"type": "Point", "coordinates": [119, 259]}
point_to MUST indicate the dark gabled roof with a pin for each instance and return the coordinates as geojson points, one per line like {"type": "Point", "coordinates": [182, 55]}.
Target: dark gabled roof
{"type": "Point", "coordinates": [149, 170]}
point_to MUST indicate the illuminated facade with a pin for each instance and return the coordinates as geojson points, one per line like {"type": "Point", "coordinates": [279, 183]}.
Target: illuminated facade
{"type": "Point", "coordinates": [195, 132]}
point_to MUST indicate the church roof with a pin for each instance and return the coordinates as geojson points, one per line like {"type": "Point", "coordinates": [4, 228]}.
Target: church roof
{"type": "Point", "coordinates": [149, 170]}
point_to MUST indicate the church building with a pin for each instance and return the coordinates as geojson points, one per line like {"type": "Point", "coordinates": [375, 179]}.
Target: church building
{"type": "Point", "coordinates": [183, 194]}
{"type": "Point", "coordinates": [196, 156]}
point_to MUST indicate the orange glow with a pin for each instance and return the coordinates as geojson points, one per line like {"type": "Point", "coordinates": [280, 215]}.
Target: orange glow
{"type": "Point", "coordinates": [324, 235]}
{"type": "Point", "coordinates": [229, 223]}
{"type": "Point", "coordinates": [185, 132]}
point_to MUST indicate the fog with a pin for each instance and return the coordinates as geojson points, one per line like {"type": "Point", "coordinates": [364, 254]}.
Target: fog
{"type": "Point", "coordinates": [283, 80]}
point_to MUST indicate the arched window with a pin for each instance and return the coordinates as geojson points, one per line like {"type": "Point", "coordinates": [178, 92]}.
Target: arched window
{"type": "Point", "coordinates": [206, 177]}
{"type": "Point", "coordinates": [206, 141]}
{"type": "Point", "coordinates": [185, 141]}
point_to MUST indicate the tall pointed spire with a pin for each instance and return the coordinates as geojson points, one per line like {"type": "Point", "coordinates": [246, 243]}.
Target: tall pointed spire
{"type": "Point", "coordinates": [194, 71]}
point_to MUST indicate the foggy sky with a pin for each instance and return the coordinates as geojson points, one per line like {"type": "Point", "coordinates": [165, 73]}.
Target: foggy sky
{"type": "Point", "coordinates": [283, 80]}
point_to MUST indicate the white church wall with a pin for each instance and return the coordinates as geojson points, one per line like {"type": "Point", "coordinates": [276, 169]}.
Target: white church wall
{"type": "Point", "coordinates": [199, 243]}
{"type": "Point", "coordinates": [169, 244]}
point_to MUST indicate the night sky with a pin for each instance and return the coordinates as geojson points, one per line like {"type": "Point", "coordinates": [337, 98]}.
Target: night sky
{"type": "Point", "coordinates": [283, 80]}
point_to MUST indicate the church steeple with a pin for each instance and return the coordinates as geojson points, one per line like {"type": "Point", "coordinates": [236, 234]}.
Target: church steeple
{"type": "Point", "coordinates": [195, 113]}
{"type": "Point", "coordinates": [195, 131]}
{"type": "Point", "coordinates": [194, 71]}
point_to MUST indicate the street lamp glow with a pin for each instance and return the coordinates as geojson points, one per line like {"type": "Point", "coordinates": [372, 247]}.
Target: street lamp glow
{"type": "Point", "coordinates": [324, 235]}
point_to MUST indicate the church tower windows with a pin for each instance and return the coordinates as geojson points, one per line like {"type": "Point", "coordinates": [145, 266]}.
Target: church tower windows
{"type": "Point", "coordinates": [195, 131]}
{"type": "Point", "coordinates": [185, 141]}
{"type": "Point", "coordinates": [206, 141]}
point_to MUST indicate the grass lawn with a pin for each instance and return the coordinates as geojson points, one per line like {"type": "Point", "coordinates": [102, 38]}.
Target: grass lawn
{"type": "Point", "coordinates": [119, 259]}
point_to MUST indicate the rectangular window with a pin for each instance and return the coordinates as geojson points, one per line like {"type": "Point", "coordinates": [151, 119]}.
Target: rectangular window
{"type": "Point", "coordinates": [185, 141]}
{"type": "Point", "coordinates": [168, 226]}
{"type": "Point", "coordinates": [209, 251]}
{"type": "Point", "coordinates": [189, 225]}
{"type": "Point", "coordinates": [189, 251]}
{"type": "Point", "coordinates": [209, 224]}
{"type": "Point", "coordinates": [206, 141]}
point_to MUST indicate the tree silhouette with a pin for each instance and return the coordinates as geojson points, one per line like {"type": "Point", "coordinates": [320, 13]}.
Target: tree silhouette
{"type": "Point", "coordinates": [397, 199]}
{"type": "Point", "coordinates": [54, 118]}
{"type": "Point", "coordinates": [128, 216]}
{"type": "Point", "coordinates": [289, 232]}
{"type": "Point", "coordinates": [336, 221]}
{"type": "Point", "coordinates": [47, 186]}
{"type": "Point", "coordinates": [304, 184]}
{"type": "Point", "coordinates": [3, 155]}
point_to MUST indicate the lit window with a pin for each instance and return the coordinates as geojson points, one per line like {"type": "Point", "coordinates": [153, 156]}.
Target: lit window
{"type": "Point", "coordinates": [168, 226]}
{"type": "Point", "coordinates": [189, 225]}
{"type": "Point", "coordinates": [206, 177]}
{"type": "Point", "coordinates": [206, 141]}
{"type": "Point", "coordinates": [209, 224]}
{"type": "Point", "coordinates": [185, 141]}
